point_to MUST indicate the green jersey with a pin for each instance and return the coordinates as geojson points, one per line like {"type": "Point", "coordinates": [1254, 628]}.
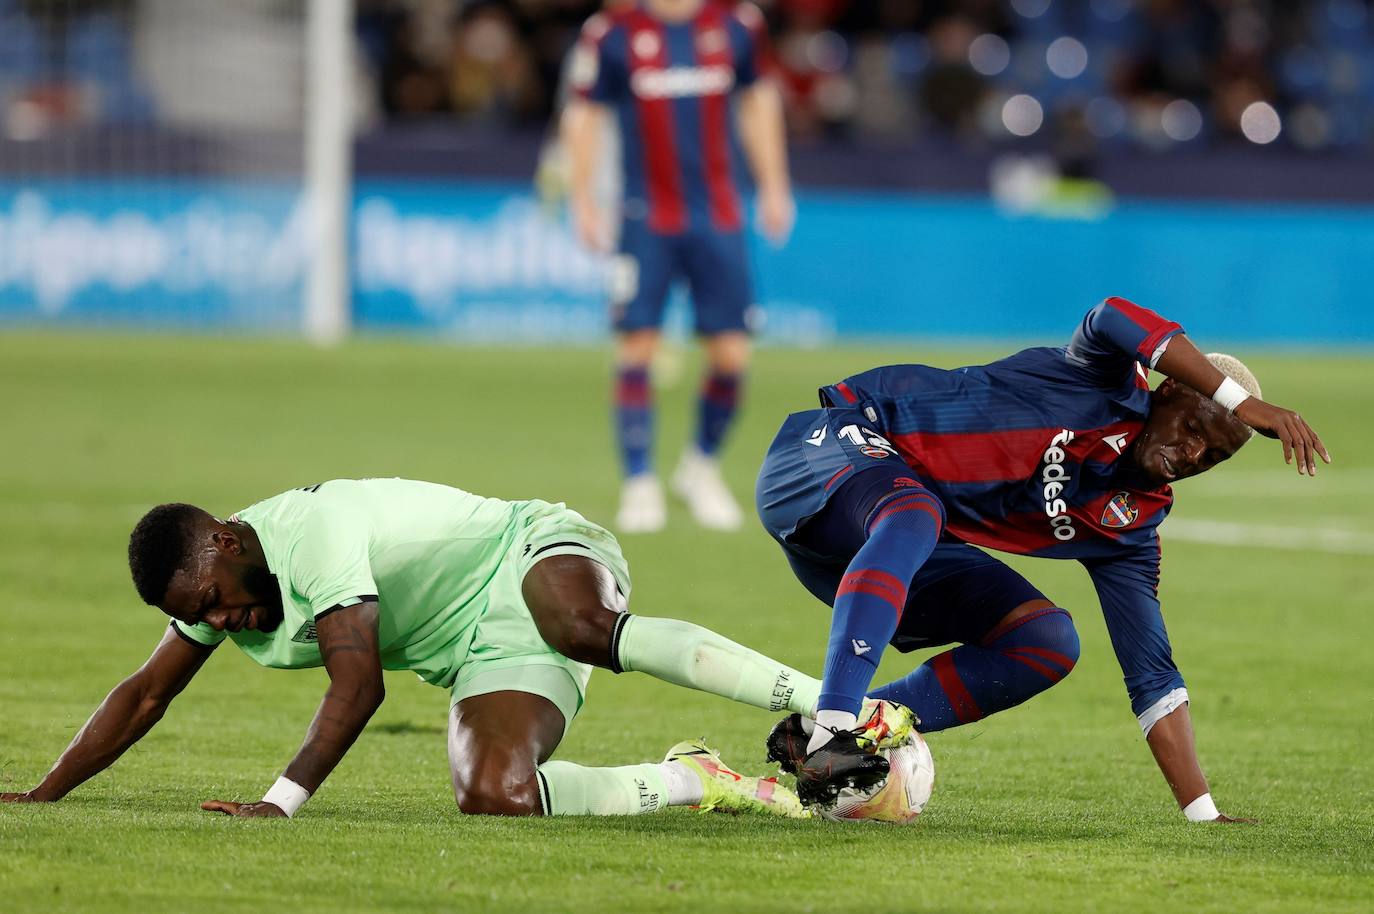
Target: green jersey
{"type": "Point", "coordinates": [425, 552]}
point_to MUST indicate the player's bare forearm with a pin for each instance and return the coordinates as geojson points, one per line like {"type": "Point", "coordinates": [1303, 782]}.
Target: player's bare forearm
{"type": "Point", "coordinates": [340, 719]}
{"type": "Point", "coordinates": [583, 124]}
{"type": "Point", "coordinates": [122, 719]}
{"type": "Point", "coordinates": [1186, 364]}
{"type": "Point", "coordinates": [130, 710]}
{"type": "Point", "coordinates": [582, 127]}
{"type": "Point", "coordinates": [763, 135]}
{"type": "Point", "coordinates": [348, 645]}
{"type": "Point", "coordinates": [765, 144]}
{"type": "Point", "coordinates": [1171, 742]}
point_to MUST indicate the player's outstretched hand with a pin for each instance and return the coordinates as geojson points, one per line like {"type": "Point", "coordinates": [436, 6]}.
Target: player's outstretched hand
{"type": "Point", "coordinates": [259, 810]}
{"type": "Point", "coordinates": [1297, 436]}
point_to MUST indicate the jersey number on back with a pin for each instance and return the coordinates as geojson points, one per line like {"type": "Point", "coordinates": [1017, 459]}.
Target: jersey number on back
{"type": "Point", "coordinates": [866, 437]}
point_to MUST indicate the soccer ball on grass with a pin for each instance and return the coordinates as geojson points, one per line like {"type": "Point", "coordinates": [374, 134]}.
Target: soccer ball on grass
{"type": "Point", "coordinates": [900, 797]}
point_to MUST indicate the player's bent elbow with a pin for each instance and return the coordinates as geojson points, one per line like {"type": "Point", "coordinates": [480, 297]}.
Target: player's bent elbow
{"type": "Point", "coordinates": [364, 698]}
{"type": "Point", "coordinates": [150, 710]}
{"type": "Point", "coordinates": [373, 697]}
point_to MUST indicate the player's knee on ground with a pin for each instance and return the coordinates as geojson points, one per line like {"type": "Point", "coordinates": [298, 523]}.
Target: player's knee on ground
{"type": "Point", "coordinates": [495, 792]}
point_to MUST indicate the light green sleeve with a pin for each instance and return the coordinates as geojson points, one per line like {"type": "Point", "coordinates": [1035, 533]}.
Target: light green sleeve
{"type": "Point", "coordinates": [329, 563]}
{"type": "Point", "coordinates": [199, 633]}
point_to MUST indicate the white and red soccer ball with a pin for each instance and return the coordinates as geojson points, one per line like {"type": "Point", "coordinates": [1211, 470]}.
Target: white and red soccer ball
{"type": "Point", "coordinates": [899, 798]}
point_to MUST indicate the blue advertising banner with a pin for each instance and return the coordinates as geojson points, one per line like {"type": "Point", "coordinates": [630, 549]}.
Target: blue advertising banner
{"type": "Point", "coordinates": [1279, 274]}
{"type": "Point", "coordinates": [153, 253]}
{"type": "Point", "coordinates": [487, 263]}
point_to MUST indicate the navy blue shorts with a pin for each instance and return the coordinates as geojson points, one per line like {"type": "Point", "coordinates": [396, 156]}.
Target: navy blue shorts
{"type": "Point", "coordinates": [959, 595]}
{"type": "Point", "coordinates": [813, 453]}
{"type": "Point", "coordinates": [714, 264]}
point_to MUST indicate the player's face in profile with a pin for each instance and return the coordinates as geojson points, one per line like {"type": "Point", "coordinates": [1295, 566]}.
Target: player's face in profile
{"type": "Point", "coordinates": [1186, 434]}
{"type": "Point", "coordinates": [225, 590]}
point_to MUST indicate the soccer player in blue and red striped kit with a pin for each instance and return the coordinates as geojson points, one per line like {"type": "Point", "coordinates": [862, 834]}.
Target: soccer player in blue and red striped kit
{"type": "Point", "coordinates": [880, 498]}
{"type": "Point", "coordinates": [685, 81]}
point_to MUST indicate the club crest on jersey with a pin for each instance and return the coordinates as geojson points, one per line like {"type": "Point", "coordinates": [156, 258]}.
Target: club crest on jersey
{"type": "Point", "coordinates": [875, 452]}
{"type": "Point", "coordinates": [1121, 511]}
{"type": "Point", "coordinates": [307, 634]}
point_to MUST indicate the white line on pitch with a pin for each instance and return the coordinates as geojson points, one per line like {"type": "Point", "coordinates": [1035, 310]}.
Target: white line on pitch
{"type": "Point", "coordinates": [1304, 539]}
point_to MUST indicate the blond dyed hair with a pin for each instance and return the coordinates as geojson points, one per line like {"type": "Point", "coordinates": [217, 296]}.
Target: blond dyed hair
{"type": "Point", "coordinates": [1235, 369]}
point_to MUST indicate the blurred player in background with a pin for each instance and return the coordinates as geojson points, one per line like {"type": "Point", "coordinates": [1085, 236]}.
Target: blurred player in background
{"type": "Point", "coordinates": [879, 498]}
{"type": "Point", "coordinates": [685, 81]}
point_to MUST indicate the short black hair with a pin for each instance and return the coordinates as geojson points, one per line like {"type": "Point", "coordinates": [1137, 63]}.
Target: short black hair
{"type": "Point", "coordinates": [159, 545]}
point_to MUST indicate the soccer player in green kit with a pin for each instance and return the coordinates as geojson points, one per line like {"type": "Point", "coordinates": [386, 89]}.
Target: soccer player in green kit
{"type": "Point", "coordinates": [508, 604]}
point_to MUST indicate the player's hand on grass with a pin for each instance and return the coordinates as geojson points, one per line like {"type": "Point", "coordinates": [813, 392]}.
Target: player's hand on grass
{"type": "Point", "coordinates": [1287, 426]}
{"type": "Point", "coordinates": [1235, 820]}
{"type": "Point", "coordinates": [28, 796]}
{"type": "Point", "coordinates": [259, 810]}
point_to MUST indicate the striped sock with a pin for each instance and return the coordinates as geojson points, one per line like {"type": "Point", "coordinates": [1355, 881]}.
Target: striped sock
{"type": "Point", "coordinates": [902, 530]}
{"type": "Point", "coordinates": [634, 418]}
{"type": "Point", "coordinates": [1010, 665]}
{"type": "Point", "coordinates": [566, 789]}
{"type": "Point", "coordinates": [716, 407]}
{"type": "Point", "coordinates": [688, 655]}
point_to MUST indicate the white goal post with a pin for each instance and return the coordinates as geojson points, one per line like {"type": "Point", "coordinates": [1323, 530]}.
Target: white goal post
{"type": "Point", "coordinates": [328, 168]}
{"type": "Point", "coordinates": [178, 164]}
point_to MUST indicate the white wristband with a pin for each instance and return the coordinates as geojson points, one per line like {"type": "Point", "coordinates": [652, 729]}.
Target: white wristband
{"type": "Point", "coordinates": [1202, 809]}
{"type": "Point", "coordinates": [288, 795]}
{"type": "Point", "coordinates": [1230, 394]}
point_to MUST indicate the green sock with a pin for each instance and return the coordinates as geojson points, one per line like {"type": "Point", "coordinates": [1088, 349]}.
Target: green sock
{"type": "Point", "coordinates": [572, 790]}
{"type": "Point", "coordinates": [689, 655]}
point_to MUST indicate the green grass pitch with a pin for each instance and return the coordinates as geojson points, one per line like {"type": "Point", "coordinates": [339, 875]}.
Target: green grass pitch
{"type": "Point", "coordinates": [1054, 806]}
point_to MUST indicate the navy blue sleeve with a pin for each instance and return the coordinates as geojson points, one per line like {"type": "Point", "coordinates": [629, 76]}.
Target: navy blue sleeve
{"type": "Point", "coordinates": [1115, 337]}
{"type": "Point", "coordinates": [749, 36]}
{"type": "Point", "coordinates": [1128, 589]}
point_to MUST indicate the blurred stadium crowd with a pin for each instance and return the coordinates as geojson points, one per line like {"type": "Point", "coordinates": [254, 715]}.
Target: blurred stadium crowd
{"type": "Point", "coordinates": [1149, 74]}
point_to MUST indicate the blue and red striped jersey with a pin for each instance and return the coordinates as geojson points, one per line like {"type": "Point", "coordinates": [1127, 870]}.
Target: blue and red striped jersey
{"type": "Point", "coordinates": [671, 85]}
{"type": "Point", "coordinates": [1030, 455]}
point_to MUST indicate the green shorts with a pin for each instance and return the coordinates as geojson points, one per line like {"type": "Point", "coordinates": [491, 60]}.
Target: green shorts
{"type": "Point", "coordinates": [507, 653]}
